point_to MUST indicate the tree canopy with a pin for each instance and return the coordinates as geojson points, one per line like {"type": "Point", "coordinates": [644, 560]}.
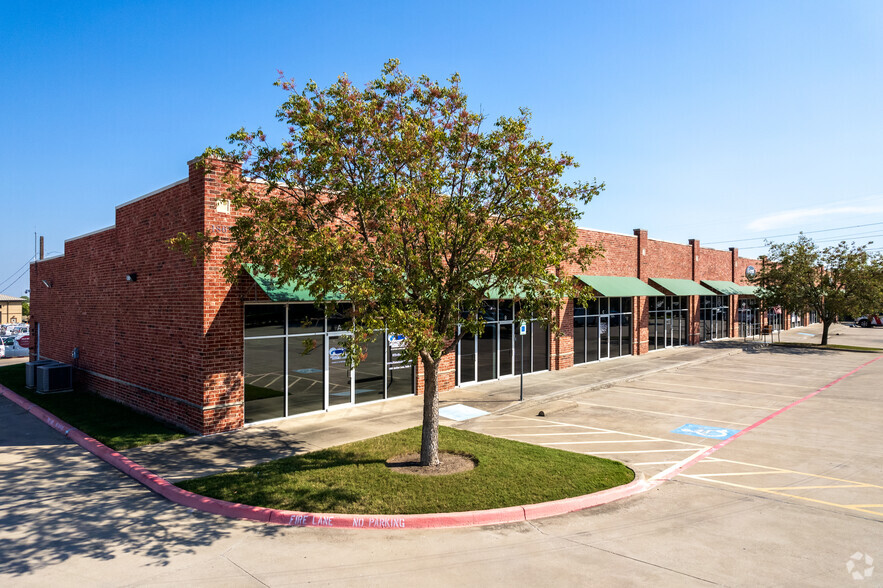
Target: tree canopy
{"type": "Point", "coordinates": [399, 197]}
{"type": "Point", "coordinates": [843, 279]}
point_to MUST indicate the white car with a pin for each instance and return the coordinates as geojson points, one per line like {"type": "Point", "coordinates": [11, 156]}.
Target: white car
{"type": "Point", "coordinates": [12, 346]}
{"type": "Point", "coordinates": [870, 320]}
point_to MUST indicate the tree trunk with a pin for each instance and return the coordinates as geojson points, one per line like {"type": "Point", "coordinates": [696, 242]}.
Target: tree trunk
{"type": "Point", "coordinates": [825, 326]}
{"type": "Point", "coordinates": [429, 439]}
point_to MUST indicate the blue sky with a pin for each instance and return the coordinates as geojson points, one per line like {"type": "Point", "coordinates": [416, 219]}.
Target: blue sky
{"type": "Point", "coordinates": [722, 121]}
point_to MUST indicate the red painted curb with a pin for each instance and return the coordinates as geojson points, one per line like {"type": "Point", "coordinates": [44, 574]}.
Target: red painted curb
{"type": "Point", "coordinates": [166, 489]}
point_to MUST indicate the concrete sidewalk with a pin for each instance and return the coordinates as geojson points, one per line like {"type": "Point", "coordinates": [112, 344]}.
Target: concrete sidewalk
{"type": "Point", "coordinates": [201, 456]}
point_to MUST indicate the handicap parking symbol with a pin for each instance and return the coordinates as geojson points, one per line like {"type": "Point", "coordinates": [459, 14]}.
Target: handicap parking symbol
{"type": "Point", "coordinates": [707, 432]}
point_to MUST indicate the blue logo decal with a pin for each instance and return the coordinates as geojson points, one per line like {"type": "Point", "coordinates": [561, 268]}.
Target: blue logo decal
{"type": "Point", "coordinates": [337, 352]}
{"type": "Point", "coordinates": [707, 432]}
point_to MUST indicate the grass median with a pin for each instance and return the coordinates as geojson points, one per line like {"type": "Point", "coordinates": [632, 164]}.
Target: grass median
{"type": "Point", "coordinates": [116, 425]}
{"type": "Point", "coordinates": [354, 478]}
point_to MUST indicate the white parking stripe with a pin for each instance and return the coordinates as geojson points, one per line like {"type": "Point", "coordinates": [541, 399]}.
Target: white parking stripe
{"type": "Point", "coordinates": [683, 416]}
{"type": "Point", "coordinates": [744, 381]}
{"type": "Point", "coordinates": [608, 442]}
{"type": "Point", "coordinates": [620, 432]}
{"type": "Point", "coordinates": [738, 474]}
{"type": "Point", "coordinates": [623, 389]}
{"type": "Point", "coordinates": [645, 451]}
{"type": "Point", "coordinates": [559, 434]}
{"type": "Point", "coordinates": [726, 390]}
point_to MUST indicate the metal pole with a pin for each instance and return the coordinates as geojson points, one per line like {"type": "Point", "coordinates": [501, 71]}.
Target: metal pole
{"type": "Point", "coordinates": [521, 340]}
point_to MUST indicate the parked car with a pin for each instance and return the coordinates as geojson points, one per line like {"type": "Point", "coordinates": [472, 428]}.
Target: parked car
{"type": "Point", "coordinates": [11, 346]}
{"type": "Point", "coordinates": [869, 320]}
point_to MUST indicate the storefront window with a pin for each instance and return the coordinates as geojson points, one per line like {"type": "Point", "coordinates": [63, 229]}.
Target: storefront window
{"type": "Point", "coordinates": [713, 317]}
{"type": "Point", "coordinates": [667, 321]}
{"type": "Point", "coordinates": [296, 365]}
{"type": "Point", "coordinates": [602, 329]}
{"type": "Point", "coordinates": [496, 352]}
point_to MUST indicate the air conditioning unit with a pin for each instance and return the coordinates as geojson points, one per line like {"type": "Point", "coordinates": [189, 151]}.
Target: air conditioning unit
{"type": "Point", "coordinates": [31, 371]}
{"type": "Point", "coordinates": [55, 377]}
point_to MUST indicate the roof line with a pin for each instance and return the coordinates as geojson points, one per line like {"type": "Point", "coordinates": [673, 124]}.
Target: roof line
{"type": "Point", "coordinates": [148, 195]}
{"type": "Point", "coordinates": [89, 234]}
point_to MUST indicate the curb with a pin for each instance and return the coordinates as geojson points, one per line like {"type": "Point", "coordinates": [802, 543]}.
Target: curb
{"type": "Point", "coordinates": [153, 482]}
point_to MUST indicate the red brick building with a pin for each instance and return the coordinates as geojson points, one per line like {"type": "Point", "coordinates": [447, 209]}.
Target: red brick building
{"type": "Point", "coordinates": [145, 326]}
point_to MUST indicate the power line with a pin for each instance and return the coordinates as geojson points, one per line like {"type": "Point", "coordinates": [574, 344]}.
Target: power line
{"type": "Point", "coordinates": [791, 234]}
{"type": "Point", "coordinates": [17, 278]}
{"type": "Point", "coordinates": [16, 271]}
{"type": "Point", "coordinates": [837, 240]}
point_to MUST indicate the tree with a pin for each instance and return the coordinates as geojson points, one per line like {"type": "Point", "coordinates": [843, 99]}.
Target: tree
{"type": "Point", "coordinates": [835, 281]}
{"type": "Point", "coordinates": [396, 196]}
{"type": "Point", "coordinates": [25, 306]}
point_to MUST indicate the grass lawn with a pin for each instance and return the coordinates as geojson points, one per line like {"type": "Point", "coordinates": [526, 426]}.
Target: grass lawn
{"type": "Point", "coordinates": [835, 347]}
{"type": "Point", "coordinates": [354, 479]}
{"type": "Point", "coordinates": [115, 425]}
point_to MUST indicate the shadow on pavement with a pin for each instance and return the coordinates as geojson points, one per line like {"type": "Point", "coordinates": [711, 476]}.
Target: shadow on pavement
{"type": "Point", "coordinates": [60, 503]}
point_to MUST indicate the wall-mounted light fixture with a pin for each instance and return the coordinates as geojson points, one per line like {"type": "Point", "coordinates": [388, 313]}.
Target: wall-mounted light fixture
{"type": "Point", "coordinates": [132, 277]}
{"type": "Point", "coordinates": [47, 283]}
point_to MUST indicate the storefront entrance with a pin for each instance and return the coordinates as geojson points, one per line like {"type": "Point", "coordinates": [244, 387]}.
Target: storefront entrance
{"type": "Point", "coordinates": [713, 317]}
{"type": "Point", "coordinates": [602, 329]}
{"type": "Point", "coordinates": [749, 316]}
{"type": "Point", "coordinates": [295, 363]}
{"type": "Point", "coordinates": [497, 352]}
{"type": "Point", "coordinates": [667, 326]}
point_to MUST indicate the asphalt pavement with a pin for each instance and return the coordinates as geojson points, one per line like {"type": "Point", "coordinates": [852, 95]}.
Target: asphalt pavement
{"type": "Point", "coordinates": [794, 501]}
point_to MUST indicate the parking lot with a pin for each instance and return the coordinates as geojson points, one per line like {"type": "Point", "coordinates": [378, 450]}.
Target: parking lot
{"type": "Point", "coordinates": [797, 500]}
{"type": "Point", "coordinates": [825, 451]}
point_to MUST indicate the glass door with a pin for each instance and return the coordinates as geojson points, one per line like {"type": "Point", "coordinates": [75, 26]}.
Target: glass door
{"type": "Point", "coordinates": [604, 337]}
{"type": "Point", "coordinates": [506, 349]}
{"type": "Point", "coordinates": [340, 381]}
{"type": "Point", "coordinates": [669, 329]}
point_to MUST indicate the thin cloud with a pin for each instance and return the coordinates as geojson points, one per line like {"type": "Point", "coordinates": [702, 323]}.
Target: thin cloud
{"type": "Point", "coordinates": [789, 218]}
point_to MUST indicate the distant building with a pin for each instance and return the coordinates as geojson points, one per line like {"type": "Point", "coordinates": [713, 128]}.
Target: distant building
{"type": "Point", "coordinates": [10, 309]}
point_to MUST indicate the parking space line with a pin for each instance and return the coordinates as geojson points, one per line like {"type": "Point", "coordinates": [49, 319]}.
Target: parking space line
{"type": "Point", "coordinates": [744, 381]}
{"type": "Point", "coordinates": [620, 432]}
{"type": "Point", "coordinates": [741, 474]}
{"type": "Point", "coordinates": [532, 426]}
{"type": "Point", "coordinates": [856, 485]}
{"type": "Point", "coordinates": [664, 413]}
{"type": "Point", "coordinates": [798, 497]}
{"type": "Point", "coordinates": [642, 451]}
{"type": "Point", "coordinates": [734, 391]}
{"type": "Point", "coordinates": [794, 472]}
{"type": "Point", "coordinates": [622, 389]}
{"type": "Point", "coordinates": [559, 434]}
{"type": "Point", "coordinates": [776, 371]}
{"type": "Point", "coordinates": [611, 441]}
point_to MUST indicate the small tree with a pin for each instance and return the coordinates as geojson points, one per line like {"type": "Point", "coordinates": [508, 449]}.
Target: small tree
{"type": "Point", "coordinates": [835, 281]}
{"type": "Point", "coordinates": [395, 196]}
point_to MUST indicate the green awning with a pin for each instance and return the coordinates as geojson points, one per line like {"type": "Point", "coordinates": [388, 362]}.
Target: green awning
{"type": "Point", "coordinates": [749, 290]}
{"type": "Point", "coordinates": [726, 288]}
{"type": "Point", "coordinates": [288, 292]}
{"type": "Point", "coordinates": [498, 294]}
{"type": "Point", "coordinates": [495, 293]}
{"type": "Point", "coordinates": [682, 287]}
{"type": "Point", "coordinates": [616, 286]}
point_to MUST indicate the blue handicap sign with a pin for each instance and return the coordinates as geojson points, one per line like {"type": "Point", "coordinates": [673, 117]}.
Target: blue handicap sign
{"type": "Point", "coordinates": [707, 432]}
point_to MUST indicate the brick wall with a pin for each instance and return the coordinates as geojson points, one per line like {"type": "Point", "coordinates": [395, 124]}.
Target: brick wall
{"type": "Point", "coordinates": [170, 343]}
{"type": "Point", "coordinates": [140, 342]}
